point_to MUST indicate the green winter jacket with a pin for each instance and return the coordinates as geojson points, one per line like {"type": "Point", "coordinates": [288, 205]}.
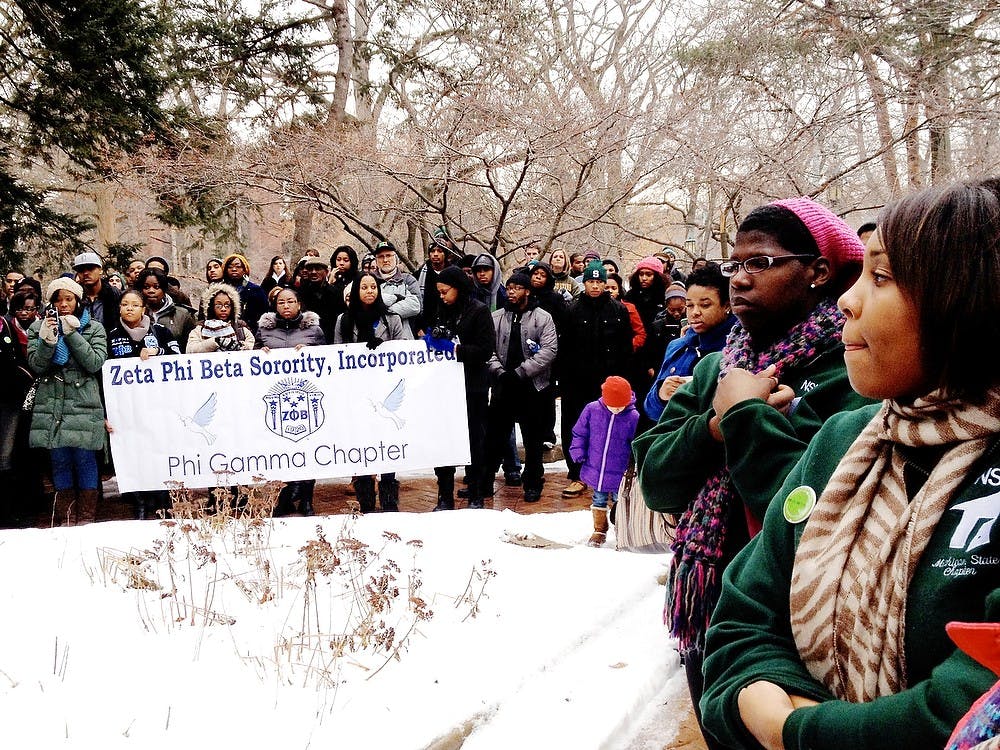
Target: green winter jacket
{"type": "Point", "coordinates": [750, 638]}
{"type": "Point", "coordinates": [678, 454]}
{"type": "Point", "coordinates": [68, 410]}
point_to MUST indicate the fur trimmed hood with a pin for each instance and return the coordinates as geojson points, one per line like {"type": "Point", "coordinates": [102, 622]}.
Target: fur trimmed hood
{"type": "Point", "coordinates": [210, 293]}
{"type": "Point", "coordinates": [308, 319]}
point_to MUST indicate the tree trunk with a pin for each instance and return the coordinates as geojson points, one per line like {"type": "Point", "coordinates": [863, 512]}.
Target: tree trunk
{"type": "Point", "coordinates": [302, 235]}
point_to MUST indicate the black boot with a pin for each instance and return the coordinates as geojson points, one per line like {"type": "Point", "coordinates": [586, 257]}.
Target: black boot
{"type": "Point", "coordinates": [306, 496]}
{"type": "Point", "coordinates": [388, 495]}
{"type": "Point", "coordinates": [532, 492]}
{"type": "Point", "coordinates": [286, 500]}
{"type": "Point", "coordinates": [446, 492]}
{"type": "Point", "coordinates": [364, 488]}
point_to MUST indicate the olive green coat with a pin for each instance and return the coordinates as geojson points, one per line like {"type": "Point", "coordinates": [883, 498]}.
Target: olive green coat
{"type": "Point", "coordinates": [68, 410]}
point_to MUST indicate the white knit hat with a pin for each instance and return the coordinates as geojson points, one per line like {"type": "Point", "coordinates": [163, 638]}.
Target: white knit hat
{"type": "Point", "coordinates": [63, 282]}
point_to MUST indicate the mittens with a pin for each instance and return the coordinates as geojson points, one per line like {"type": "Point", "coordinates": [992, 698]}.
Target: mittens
{"type": "Point", "coordinates": [47, 334]}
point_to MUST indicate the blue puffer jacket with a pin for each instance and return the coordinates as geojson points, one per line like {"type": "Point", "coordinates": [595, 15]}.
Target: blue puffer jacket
{"type": "Point", "coordinates": [602, 444]}
{"type": "Point", "coordinates": [680, 358]}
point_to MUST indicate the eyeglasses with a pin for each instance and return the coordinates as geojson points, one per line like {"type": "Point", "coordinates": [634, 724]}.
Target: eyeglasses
{"type": "Point", "coordinates": [756, 264]}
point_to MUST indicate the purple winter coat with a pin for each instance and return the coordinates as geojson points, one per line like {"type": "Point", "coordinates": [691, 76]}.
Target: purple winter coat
{"type": "Point", "coordinates": [602, 443]}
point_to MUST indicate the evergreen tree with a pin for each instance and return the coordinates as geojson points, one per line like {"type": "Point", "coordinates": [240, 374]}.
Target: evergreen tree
{"type": "Point", "coordinates": [79, 83]}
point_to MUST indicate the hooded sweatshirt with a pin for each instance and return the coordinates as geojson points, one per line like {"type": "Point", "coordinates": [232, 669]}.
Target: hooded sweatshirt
{"type": "Point", "coordinates": [493, 296]}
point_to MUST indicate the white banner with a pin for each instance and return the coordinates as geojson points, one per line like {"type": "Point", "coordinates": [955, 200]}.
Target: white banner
{"type": "Point", "coordinates": [323, 411]}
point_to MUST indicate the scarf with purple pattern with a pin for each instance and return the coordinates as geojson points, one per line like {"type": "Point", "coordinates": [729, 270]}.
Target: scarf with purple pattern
{"type": "Point", "coordinates": [695, 578]}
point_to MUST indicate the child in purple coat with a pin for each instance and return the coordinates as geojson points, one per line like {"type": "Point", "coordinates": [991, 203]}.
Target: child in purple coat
{"type": "Point", "coordinates": [602, 444]}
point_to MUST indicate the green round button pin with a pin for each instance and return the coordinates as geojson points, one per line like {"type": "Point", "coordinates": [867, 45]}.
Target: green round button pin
{"type": "Point", "coordinates": [799, 504]}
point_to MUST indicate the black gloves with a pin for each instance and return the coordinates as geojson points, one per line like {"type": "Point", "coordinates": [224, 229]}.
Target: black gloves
{"type": "Point", "coordinates": [509, 379]}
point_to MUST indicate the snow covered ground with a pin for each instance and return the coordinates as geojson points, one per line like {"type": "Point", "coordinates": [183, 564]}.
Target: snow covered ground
{"type": "Point", "coordinates": [386, 631]}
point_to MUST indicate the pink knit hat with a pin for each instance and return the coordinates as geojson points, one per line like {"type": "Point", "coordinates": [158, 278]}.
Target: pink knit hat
{"type": "Point", "coordinates": [649, 263]}
{"type": "Point", "coordinates": [837, 242]}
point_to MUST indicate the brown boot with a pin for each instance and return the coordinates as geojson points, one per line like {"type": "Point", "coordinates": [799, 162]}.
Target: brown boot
{"type": "Point", "coordinates": [600, 534]}
{"type": "Point", "coordinates": [63, 506]}
{"type": "Point", "coordinates": [86, 506]}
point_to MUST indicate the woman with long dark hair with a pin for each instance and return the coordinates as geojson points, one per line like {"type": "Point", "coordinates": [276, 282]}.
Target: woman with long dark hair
{"type": "Point", "coordinates": [344, 263]}
{"type": "Point", "coordinates": [277, 275]}
{"type": "Point", "coordinates": [369, 321]}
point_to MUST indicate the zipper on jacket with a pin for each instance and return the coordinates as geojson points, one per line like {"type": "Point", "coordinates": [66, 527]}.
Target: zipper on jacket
{"type": "Point", "coordinates": [604, 454]}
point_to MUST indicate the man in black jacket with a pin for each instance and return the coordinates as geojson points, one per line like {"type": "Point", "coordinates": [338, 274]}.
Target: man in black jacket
{"type": "Point", "coordinates": [596, 342]}
{"type": "Point", "coordinates": [317, 296]}
{"type": "Point", "coordinates": [102, 299]}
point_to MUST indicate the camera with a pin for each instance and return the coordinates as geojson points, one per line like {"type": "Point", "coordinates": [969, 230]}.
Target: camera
{"type": "Point", "coordinates": [50, 312]}
{"type": "Point", "coordinates": [441, 332]}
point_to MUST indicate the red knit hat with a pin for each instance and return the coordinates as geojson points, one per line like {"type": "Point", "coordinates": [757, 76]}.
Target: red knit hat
{"type": "Point", "coordinates": [616, 392]}
{"type": "Point", "coordinates": [837, 242]}
{"type": "Point", "coordinates": [649, 263]}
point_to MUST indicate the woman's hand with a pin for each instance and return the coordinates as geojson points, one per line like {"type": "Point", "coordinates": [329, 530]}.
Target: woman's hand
{"type": "Point", "coordinates": [298, 347]}
{"type": "Point", "coordinates": [48, 331]}
{"type": "Point", "coordinates": [670, 385]}
{"type": "Point", "coordinates": [147, 352]}
{"type": "Point", "coordinates": [781, 398]}
{"type": "Point", "coordinates": [266, 349]}
{"type": "Point", "coordinates": [764, 707]}
{"type": "Point", "coordinates": [108, 427]}
{"type": "Point", "coordinates": [740, 385]}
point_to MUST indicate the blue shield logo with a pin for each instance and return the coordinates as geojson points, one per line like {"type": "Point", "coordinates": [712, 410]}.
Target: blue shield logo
{"type": "Point", "coordinates": [293, 408]}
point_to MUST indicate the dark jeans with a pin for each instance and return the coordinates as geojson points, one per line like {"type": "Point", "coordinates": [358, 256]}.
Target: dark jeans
{"type": "Point", "coordinates": [74, 467]}
{"type": "Point", "coordinates": [526, 406]}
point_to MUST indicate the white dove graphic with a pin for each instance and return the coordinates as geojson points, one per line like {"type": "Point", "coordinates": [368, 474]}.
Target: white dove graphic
{"type": "Point", "coordinates": [201, 419]}
{"type": "Point", "coordinates": [393, 401]}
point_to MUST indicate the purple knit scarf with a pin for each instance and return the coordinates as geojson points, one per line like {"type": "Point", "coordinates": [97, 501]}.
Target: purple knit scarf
{"type": "Point", "coordinates": [695, 576]}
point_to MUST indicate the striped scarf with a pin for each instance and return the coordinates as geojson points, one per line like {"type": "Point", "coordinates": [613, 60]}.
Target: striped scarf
{"type": "Point", "coordinates": [864, 539]}
{"type": "Point", "coordinates": [695, 578]}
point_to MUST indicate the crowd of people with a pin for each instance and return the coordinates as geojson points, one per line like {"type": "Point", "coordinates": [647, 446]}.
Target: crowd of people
{"type": "Point", "coordinates": [549, 328]}
{"type": "Point", "coordinates": [814, 410]}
